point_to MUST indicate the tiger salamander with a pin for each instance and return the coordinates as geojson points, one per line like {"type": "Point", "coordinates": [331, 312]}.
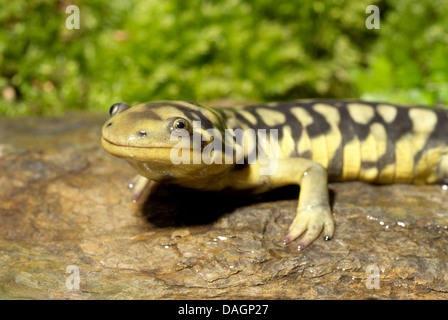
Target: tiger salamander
{"type": "Point", "coordinates": [317, 142]}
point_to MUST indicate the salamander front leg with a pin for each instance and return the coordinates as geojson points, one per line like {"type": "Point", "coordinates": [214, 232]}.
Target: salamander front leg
{"type": "Point", "coordinates": [313, 212]}
{"type": "Point", "coordinates": [142, 186]}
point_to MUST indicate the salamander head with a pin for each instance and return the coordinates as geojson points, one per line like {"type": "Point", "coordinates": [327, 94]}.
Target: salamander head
{"type": "Point", "coordinates": [146, 134]}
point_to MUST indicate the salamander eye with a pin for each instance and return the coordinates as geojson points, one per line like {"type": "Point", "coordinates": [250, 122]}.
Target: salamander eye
{"type": "Point", "coordinates": [118, 108]}
{"type": "Point", "coordinates": [180, 124]}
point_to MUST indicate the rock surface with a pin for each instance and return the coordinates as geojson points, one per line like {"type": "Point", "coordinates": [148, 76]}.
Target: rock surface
{"type": "Point", "coordinates": [65, 207]}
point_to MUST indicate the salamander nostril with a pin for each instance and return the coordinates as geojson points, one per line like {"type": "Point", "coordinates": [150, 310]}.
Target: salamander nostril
{"type": "Point", "coordinates": [109, 124]}
{"type": "Point", "coordinates": [142, 133]}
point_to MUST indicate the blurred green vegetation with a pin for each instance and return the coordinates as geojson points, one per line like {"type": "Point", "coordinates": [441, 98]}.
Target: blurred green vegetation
{"type": "Point", "coordinates": [204, 50]}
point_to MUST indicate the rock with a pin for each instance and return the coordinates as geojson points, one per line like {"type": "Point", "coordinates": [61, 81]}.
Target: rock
{"type": "Point", "coordinates": [65, 208]}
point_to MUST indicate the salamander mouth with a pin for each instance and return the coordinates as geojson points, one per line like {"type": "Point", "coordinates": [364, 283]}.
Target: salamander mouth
{"type": "Point", "coordinates": [128, 146]}
{"type": "Point", "coordinates": [138, 153]}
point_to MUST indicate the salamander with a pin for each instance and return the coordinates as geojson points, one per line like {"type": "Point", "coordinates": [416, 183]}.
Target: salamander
{"type": "Point", "coordinates": [317, 141]}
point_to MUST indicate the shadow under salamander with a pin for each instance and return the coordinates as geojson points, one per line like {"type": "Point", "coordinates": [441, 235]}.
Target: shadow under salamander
{"type": "Point", "coordinates": [170, 205]}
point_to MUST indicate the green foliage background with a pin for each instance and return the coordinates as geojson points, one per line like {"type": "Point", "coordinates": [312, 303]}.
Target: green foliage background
{"type": "Point", "coordinates": [203, 50]}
